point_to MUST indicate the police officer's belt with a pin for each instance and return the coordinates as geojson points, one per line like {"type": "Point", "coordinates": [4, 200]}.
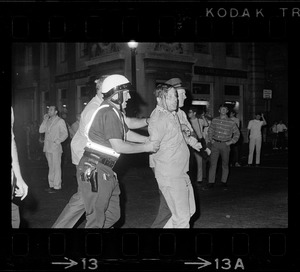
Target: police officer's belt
{"type": "Point", "coordinates": [99, 157]}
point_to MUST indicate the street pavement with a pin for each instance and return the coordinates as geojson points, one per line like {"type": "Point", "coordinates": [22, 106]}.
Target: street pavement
{"type": "Point", "coordinates": [256, 197]}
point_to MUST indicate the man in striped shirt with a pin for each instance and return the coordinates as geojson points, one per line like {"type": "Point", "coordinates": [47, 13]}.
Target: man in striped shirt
{"type": "Point", "coordinates": [222, 132]}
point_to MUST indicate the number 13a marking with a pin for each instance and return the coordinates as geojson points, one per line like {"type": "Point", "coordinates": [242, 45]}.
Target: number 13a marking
{"type": "Point", "coordinates": [226, 264]}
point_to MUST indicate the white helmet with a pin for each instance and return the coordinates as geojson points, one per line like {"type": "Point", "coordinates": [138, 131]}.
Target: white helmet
{"type": "Point", "coordinates": [115, 84]}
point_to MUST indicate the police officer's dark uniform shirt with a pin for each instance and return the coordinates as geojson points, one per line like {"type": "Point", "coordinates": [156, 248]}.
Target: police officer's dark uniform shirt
{"type": "Point", "coordinates": [107, 125]}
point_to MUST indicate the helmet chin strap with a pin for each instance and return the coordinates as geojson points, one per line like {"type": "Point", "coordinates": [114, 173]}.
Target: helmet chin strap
{"type": "Point", "coordinates": [119, 101]}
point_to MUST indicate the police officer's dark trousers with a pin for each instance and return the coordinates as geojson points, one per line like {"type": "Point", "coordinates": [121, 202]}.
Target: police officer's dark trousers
{"type": "Point", "coordinates": [102, 207]}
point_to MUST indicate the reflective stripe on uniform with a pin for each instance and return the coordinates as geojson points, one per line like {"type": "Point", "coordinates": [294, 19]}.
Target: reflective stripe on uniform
{"type": "Point", "coordinates": [95, 146]}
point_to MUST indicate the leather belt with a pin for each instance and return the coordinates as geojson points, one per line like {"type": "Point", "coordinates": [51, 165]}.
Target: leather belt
{"type": "Point", "coordinates": [96, 158]}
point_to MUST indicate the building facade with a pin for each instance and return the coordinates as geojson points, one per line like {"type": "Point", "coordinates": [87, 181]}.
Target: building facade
{"type": "Point", "coordinates": [249, 77]}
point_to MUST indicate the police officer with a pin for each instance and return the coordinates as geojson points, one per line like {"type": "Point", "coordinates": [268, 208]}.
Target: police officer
{"type": "Point", "coordinates": [74, 209]}
{"type": "Point", "coordinates": [108, 136]}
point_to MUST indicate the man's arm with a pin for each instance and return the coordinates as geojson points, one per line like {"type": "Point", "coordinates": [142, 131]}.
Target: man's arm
{"type": "Point", "coordinates": [130, 148]}
{"type": "Point", "coordinates": [22, 189]}
{"type": "Point", "coordinates": [135, 123]}
{"type": "Point", "coordinates": [236, 135]}
{"type": "Point", "coordinates": [210, 131]}
{"type": "Point", "coordinates": [42, 128]}
{"type": "Point", "coordinates": [135, 137]}
{"type": "Point", "coordinates": [193, 142]}
{"type": "Point", "coordinates": [63, 132]}
{"type": "Point", "coordinates": [264, 120]}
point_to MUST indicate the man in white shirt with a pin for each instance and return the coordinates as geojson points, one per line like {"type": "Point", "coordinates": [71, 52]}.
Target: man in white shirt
{"type": "Point", "coordinates": [56, 132]}
{"type": "Point", "coordinates": [255, 137]}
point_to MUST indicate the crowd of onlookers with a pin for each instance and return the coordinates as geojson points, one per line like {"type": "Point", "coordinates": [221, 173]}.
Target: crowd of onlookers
{"type": "Point", "coordinates": [279, 135]}
{"type": "Point", "coordinates": [276, 134]}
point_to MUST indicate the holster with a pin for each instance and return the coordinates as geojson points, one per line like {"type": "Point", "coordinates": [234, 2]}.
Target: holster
{"type": "Point", "coordinates": [90, 175]}
{"type": "Point", "coordinates": [94, 180]}
{"type": "Point", "coordinates": [92, 158]}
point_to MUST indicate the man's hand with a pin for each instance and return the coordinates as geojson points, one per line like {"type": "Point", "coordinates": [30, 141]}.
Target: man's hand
{"type": "Point", "coordinates": [22, 189]}
{"type": "Point", "coordinates": [153, 146]}
{"type": "Point", "coordinates": [46, 117]}
{"type": "Point", "coordinates": [186, 130]}
{"type": "Point", "coordinates": [197, 146]}
{"type": "Point", "coordinates": [208, 151]}
{"type": "Point", "coordinates": [228, 143]}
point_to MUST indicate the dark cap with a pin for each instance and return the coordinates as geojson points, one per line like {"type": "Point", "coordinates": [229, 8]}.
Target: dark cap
{"type": "Point", "coordinates": [175, 82]}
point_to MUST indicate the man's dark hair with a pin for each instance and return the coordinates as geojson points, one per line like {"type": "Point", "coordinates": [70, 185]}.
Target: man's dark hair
{"type": "Point", "coordinates": [223, 106]}
{"type": "Point", "coordinates": [162, 89]}
{"type": "Point", "coordinates": [55, 108]}
{"type": "Point", "coordinates": [194, 109]}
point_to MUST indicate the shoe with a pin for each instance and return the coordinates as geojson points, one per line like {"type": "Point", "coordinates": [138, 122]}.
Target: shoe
{"type": "Point", "coordinates": [49, 189]}
{"type": "Point", "coordinates": [53, 191]}
{"type": "Point", "coordinates": [224, 185]}
{"type": "Point", "coordinates": [248, 165]}
{"type": "Point", "coordinates": [237, 164]}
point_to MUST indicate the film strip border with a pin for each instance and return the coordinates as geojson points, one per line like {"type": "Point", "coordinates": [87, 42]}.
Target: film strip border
{"type": "Point", "coordinates": [144, 21]}
{"type": "Point", "coordinates": [149, 250]}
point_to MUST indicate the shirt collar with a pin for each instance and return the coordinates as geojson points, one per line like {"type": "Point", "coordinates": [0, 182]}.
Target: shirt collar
{"type": "Point", "coordinates": [98, 99]}
{"type": "Point", "coordinates": [159, 108]}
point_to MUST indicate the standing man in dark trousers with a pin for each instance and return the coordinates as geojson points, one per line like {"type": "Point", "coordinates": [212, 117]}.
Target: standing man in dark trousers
{"type": "Point", "coordinates": [222, 133]}
{"type": "Point", "coordinates": [75, 209]}
{"type": "Point", "coordinates": [107, 137]}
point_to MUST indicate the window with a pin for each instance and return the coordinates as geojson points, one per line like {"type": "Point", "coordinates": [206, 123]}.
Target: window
{"type": "Point", "coordinates": [201, 88]}
{"type": "Point", "coordinates": [62, 101]}
{"type": "Point", "coordinates": [83, 97]}
{"type": "Point", "coordinates": [63, 94]}
{"type": "Point", "coordinates": [83, 49]}
{"type": "Point", "coordinates": [61, 52]}
{"type": "Point", "coordinates": [46, 96]}
{"type": "Point", "coordinates": [232, 50]}
{"type": "Point", "coordinates": [232, 90]}
{"type": "Point", "coordinates": [84, 91]}
{"type": "Point", "coordinates": [203, 48]}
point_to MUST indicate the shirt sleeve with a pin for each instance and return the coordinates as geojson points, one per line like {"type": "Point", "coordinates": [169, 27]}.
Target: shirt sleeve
{"type": "Point", "coordinates": [63, 131]}
{"type": "Point", "coordinates": [210, 130]}
{"type": "Point", "coordinates": [249, 125]}
{"type": "Point", "coordinates": [236, 133]}
{"type": "Point", "coordinates": [42, 128]}
{"type": "Point", "coordinates": [186, 122]}
{"type": "Point", "coordinates": [113, 127]}
{"type": "Point", "coordinates": [156, 128]}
